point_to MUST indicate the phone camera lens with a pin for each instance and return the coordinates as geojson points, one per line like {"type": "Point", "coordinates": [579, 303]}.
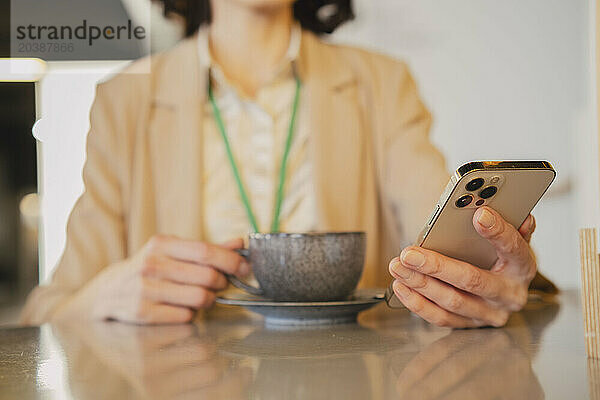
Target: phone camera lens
{"type": "Point", "coordinates": [488, 192]}
{"type": "Point", "coordinates": [464, 201]}
{"type": "Point", "coordinates": [475, 184]}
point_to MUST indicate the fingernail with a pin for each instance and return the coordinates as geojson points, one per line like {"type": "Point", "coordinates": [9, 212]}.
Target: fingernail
{"type": "Point", "coordinates": [394, 265]}
{"type": "Point", "coordinates": [402, 271]}
{"type": "Point", "coordinates": [398, 269]}
{"type": "Point", "coordinates": [529, 223]}
{"type": "Point", "coordinates": [244, 268]}
{"type": "Point", "coordinates": [413, 258]}
{"type": "Point", "coordinates": [486, 219]}
{"type": "Point", "coordinates": [401, 291]}
{"type": "Point", "coordinates": [526, 227]}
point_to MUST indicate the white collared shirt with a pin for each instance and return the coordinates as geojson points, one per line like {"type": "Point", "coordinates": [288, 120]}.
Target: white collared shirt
{"type": "Point", "coordinates": [257, 129]}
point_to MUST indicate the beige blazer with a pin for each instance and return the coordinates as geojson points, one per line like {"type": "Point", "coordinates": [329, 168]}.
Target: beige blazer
{"type": "Point", "coordinates": [374, 166]}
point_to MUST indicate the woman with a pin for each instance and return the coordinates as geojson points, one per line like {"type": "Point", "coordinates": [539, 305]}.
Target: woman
{"type": "Point", "coordinates": [152, 236]}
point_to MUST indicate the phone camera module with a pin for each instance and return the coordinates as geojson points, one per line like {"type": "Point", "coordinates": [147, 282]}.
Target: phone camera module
{"type": "Point", "coordinates": [475, 184]}
{"type": "Point", "coordinates": [464, 201]}
{"type": "Point", "coordinates": [488, 192]}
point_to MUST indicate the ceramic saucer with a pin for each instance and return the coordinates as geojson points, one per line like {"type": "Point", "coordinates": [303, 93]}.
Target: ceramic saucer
{"type": "Point", "coordinates": [306, 313]}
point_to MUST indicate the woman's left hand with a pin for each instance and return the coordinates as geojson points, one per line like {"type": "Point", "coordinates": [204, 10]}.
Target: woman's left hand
{"type": "Point", "coordinates": [448, 292]}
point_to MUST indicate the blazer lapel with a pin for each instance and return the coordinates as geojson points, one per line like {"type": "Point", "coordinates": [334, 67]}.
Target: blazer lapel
{"type": "Point", "coordinates": [337, 139]}
{"type": "Point", "coordinates": [175, 141]}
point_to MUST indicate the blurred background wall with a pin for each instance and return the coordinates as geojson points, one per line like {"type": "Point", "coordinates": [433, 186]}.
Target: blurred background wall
{"type": "Point", "coordinates": [504, 80]}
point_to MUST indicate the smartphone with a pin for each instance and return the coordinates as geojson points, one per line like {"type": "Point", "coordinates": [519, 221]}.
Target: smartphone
{"type": "Point", "coordinates": [512, 188]}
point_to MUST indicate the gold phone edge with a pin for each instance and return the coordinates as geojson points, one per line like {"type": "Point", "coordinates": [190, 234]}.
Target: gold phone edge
{"type": "Point", "coordinates": [471, 167]}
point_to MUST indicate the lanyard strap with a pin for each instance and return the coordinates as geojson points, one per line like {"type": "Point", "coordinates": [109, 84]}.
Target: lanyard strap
{"type": "Point", "coordinates": [236, 172]}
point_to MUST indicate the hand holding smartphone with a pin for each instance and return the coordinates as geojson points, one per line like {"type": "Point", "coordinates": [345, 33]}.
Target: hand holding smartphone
{"type": "Point", "coordinates": [512, 188]}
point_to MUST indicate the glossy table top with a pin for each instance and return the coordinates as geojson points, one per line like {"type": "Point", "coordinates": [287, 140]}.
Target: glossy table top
{"type": "Point", "coordinates": [230, 354]}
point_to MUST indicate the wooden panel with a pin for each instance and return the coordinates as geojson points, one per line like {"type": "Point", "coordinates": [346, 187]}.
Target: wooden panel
{"type": "Point", "coordinates": [590, 290]}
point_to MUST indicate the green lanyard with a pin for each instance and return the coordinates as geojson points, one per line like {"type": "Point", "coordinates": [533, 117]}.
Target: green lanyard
{"type": "Point", "coordinates": [236, 172]}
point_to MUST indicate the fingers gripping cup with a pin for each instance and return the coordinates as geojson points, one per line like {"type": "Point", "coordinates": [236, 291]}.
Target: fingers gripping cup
{"type": "Point", "coordinates": [304, 266]}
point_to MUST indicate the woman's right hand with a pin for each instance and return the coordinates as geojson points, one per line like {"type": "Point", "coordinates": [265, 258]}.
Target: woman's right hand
{"type": "Point", "coordinates": [165, 282]}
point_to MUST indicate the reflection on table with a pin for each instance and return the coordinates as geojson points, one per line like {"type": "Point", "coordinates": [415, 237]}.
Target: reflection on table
{"type": "Point", "coordinates": [469, 365]}
{"type": "Point", "coordinates": [232, 355]}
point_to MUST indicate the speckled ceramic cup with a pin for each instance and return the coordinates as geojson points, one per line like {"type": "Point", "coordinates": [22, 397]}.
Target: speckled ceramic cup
{"type": "Point", "coordinates": [305, 266]}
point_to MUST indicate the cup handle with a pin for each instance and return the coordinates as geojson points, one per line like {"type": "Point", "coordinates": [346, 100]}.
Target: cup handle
{"type": "Point", "coordinates": [243, 285]}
